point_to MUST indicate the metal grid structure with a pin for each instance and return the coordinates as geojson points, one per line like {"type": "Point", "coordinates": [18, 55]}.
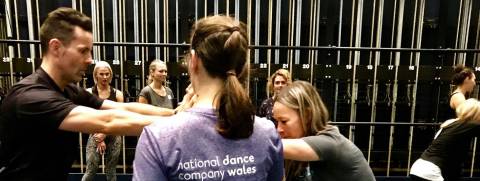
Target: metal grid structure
{"type": "Point", "coordinates": [382, 67]}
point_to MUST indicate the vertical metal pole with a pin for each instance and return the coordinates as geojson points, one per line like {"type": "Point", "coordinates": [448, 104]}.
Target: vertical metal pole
{"type": "Point", "coordinates": [31, 35]}
{"type": "Point", "coordinates": [124, 32]}
{"type": "Point", "coordinates": [146, 29]}
{"type": "Point", "coordinates": [165, 30]}
{"type": "Point", "coordinates": [393, 30]}
{"type": "Point", "coordinates": [278, 11]}
{"type": "Point", "coordinates": [176, 38]}
{"type": "Point", "coordinates": [310, 31]}
{"type": "Point", "coordinates": [372, 27]}
{"type": "Point", "coordinates": [237, 10]}
{"type": "Point", "coordinates": [466, 30]}
{"type": "Point", "coordinates": [74, 4]}
{"type": "Point", "coordinates": [269, 37]}
{"type": "Point", "coordinates": [205, 10]}
{"type": "Point", "coordinates": [136, 32]}
{"type": "Point", "coordinates": [291, 12]}
{"type": "Point", "coordinates": [460, 12]}
{"type": "Point", "coordinates": [17, 29]}
{"type": "Point", "coordinates": [313, 23]}
{"type": "Point", "coordinates": [257, 30]}
{"type": "Point", "coordinates": [340, 17]}
{"type": "Point", "coordinates": [11, 52]}
{"type": "Point", "coordinates": [215, 7]}
{"type": "Point", "coordinates": [415, 86]}
{"type": "Point", "coordinates": [351, 32]}
{"type": "Point", "coordinates": [395, 84]}
{"type": "Point", "coordinates": [227, 8]}
{"type": "Point", "coordinates": [93, 8]}
{"type": "Point", "coordinates": [157, 28]}
{"type": "Point", "coordinates": [475, 59]}
{"type": "Point", "coordinates": [249, 20]}
{"type": "Point", "coordinates": [298, 33]}
{"type": "Point", "coordinates": [142, 22]}
{"type": "Point", "coordinates": [196, 10]}
{"type": "Point", "coordinates": [38, 28]}
{"type": "Point", "coordinates": [413, 30]}
{"type": "Point", "coordinates": [358, 40]}
{"type": "Point", "coordinates": [81, 7]}
{"type": "Point", "coordinates": [375, 84]}
{"type": "Point", "coordinates": [103, 30]}
{"type": "Point", "coordinates": [249, 34]}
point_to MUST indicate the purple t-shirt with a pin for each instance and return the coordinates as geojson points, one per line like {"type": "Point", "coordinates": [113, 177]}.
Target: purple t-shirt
{"type": "Point", "coordinates": [187, 147]}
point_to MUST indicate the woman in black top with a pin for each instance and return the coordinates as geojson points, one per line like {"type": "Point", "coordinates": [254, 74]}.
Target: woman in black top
{"type": "Point", "coordinates": [276, 82]}
{"type": "Point", "coordinates": [443, 159]}
{"type": "Point", "coordinates": [464, 82]}
{"type": "Point", "coordinates": [100, 144]}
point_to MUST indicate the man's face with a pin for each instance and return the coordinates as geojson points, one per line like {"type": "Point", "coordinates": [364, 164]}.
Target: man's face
{"type": "Point", "coordinates": [75, 57]}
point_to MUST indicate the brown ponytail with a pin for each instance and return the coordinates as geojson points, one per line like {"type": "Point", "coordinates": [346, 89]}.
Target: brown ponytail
{"type": "Point", "coordinates": [461, 73]}
{"type": "Point", "coordinates": [222, 45]}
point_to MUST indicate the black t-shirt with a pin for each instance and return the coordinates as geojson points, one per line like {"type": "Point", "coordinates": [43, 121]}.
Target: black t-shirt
{"type": "Point", "coordinates": [31, 145]}
{"type": "Point", "coordinates": [449, 150]}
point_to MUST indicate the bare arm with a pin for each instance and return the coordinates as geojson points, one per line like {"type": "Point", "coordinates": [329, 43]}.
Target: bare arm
{"type": "Point", "coordinates": [297, 149]}
{"type": "Point", "coordinates": [119, 96]}
{"type": "Point", "coordinates": [139, 108]}
{"type": "Point", "coordinates": [142, 99]}
{"type": "Point", "coordinates": [456, 100]}
{"type": "Point", "coordinates": [116, 122]}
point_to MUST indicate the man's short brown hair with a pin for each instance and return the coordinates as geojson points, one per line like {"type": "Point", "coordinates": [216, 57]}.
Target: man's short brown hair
{"type": "Point", "coordinates": [60, 24]}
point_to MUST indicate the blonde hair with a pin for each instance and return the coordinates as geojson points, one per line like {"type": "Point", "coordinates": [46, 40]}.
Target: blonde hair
{"type": "Point", "coordinates": [102, 64]}
{"type": "Point", "coordinates": [469, 111]}
{"type": "Point", "coordinates": [280, 72]}
{"type": "Point", "coordinates": [304, 98]}
{"type": "Point", "coordinates": [153, 67]}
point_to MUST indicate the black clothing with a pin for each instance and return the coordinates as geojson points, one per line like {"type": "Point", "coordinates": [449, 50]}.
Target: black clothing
{"type": "Point", "coordinates": [112, 96]}
{"type": "Point", "coordinates": [450, 149]}
{"type": "Point", "coordinates": [265, 110]}
{"type": "Point", "coordinates": [32, 147]}
{"type": "Point", "coordinates": [451, 114]}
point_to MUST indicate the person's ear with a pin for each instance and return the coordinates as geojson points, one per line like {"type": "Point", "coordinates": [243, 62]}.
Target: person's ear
{"type": "Point", "coordinates": [193, 63]}
{"type": "Point", "coordinates": [54, 46]}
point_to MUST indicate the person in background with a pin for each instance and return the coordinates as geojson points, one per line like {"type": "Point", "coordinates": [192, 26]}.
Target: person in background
{"type": "Point", "coordinates": [98, 143]}
{"type": "Point", "coordinates": [464, 82]}
{"type": "Point", "coordinates": [444, 158]}
{"type": "Point", "coordinates": [42, 114]}
{"type": "Point", "coordinates": [276, 82]}
{"type": "Point", "coordinates": [156, 92]}
{"type": "Point", "coordinates": [313, 149]}
{"type": "Point", "coordinates": [219, 138]}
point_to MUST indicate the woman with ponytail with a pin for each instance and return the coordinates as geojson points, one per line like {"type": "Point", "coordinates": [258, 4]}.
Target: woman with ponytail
{"type": "Point", "coordinates": [444, 158]}
{"type": "Point", "coordinates": [219, 138]}
{"type": "Point", "coordinates": [464, 82]}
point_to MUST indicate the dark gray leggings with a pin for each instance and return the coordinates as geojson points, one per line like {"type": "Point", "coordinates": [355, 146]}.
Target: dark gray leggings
{"type": "Point", "coordinates": [112, 152]}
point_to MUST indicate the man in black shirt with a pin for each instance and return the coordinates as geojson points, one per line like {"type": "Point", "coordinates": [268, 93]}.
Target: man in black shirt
{"type": "Point", "coordinates": [41, 113]}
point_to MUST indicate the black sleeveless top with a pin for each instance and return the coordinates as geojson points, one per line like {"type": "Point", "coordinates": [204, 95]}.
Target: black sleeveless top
{"type": "Point", "coordinates": [451, 112]}
{"type": "Point", "coordinates": [112, 96]}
